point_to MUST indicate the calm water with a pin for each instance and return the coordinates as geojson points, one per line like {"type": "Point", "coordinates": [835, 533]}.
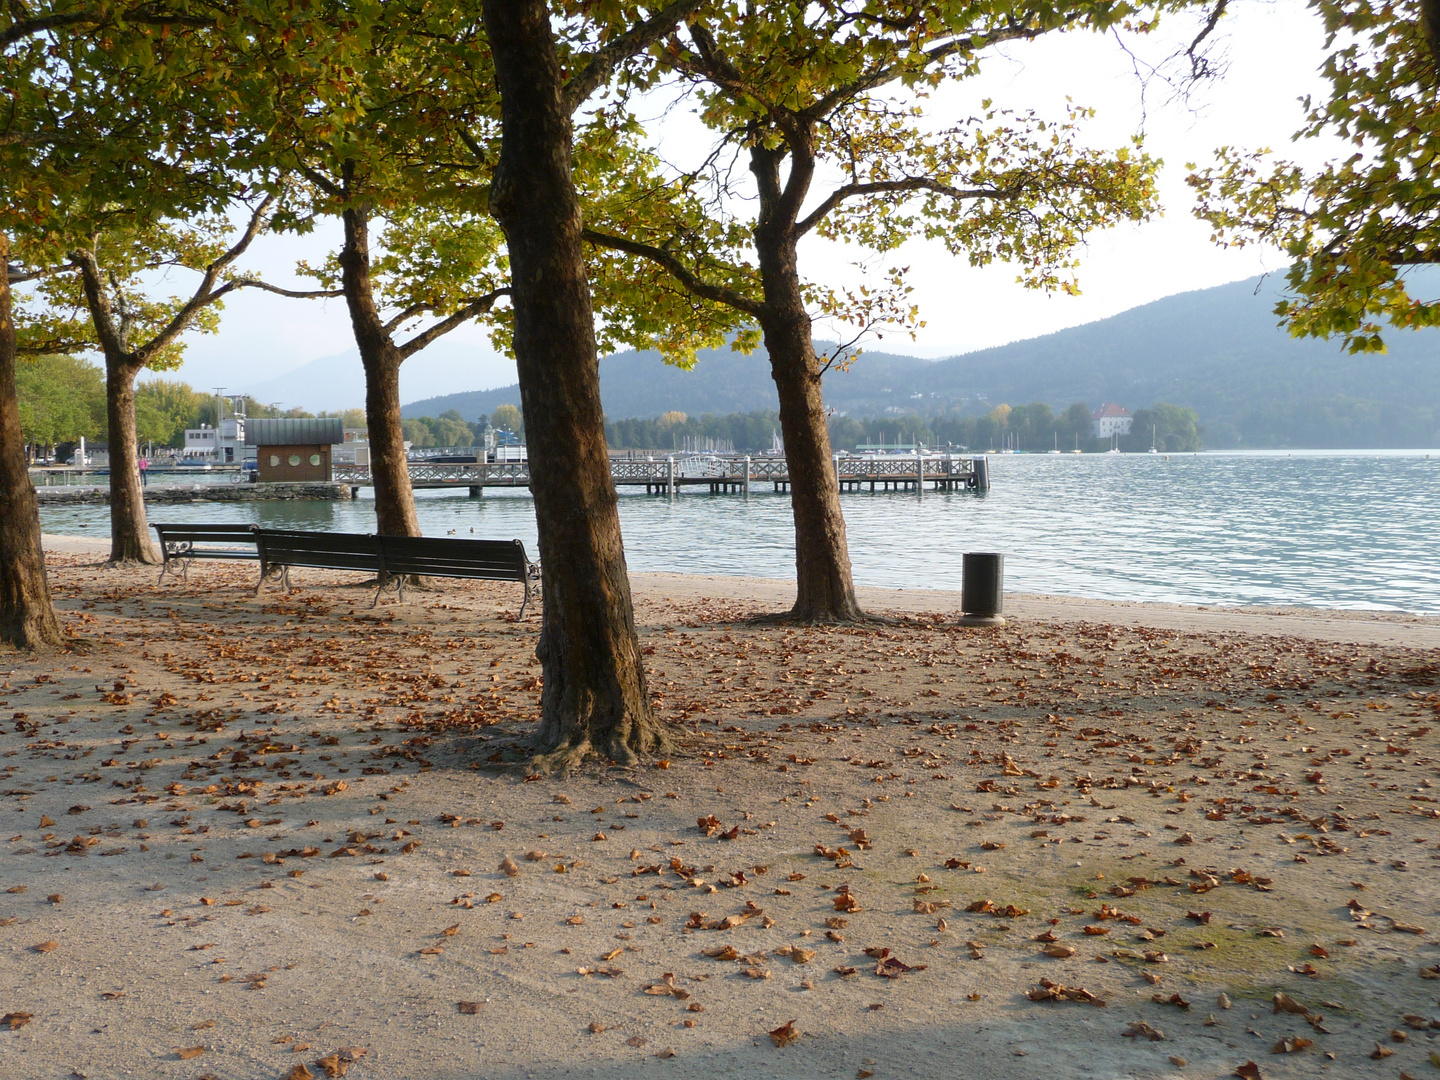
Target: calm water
{"type": "Point", "coordinates": [1341, 530]}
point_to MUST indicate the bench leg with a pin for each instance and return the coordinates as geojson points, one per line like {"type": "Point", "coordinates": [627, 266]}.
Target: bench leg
{"type": "Point", "coordinates": [267, 572]}
{"type": "Point", "coordinates": [398, 581]}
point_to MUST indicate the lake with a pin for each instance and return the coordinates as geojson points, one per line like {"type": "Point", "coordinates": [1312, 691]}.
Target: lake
{"type": "Point", "coordinates": [1310, 528]}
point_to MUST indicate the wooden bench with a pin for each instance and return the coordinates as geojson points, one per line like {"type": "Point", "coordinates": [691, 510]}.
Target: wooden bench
{"type": "Point", "coordinates": [181, 544]}
{"type": "Point", "coordinates": [394, 558]}
{"type": "Point", "coordinates": [280, 549]}
{"type": "Point", "coordinates": [438, 556]}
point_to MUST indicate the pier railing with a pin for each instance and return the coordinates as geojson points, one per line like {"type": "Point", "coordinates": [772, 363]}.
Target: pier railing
{"type": "Point", "coordinates": [720, 472]}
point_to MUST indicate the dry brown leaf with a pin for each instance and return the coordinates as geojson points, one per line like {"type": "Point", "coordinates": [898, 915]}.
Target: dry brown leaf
{"type": "Point", "coordinates": [508, 867]}
{"type": "Point", "coordinates": [469, 1008]}
{"type": "Point", "coordinates": [1140, 1029]}
{"type": "Point", "coordinates": [46, 946]}
{"type": "Point", "coordinates": [1291, 1045]}
{"type": "Point", "coordinates": [785, 1034]}
{"type": "Point", "coordinates": [299, 1072]}
{"type": "Point", "coordinates": [188, 1052]}
{"type": "Point", "coordinates": [1059, 952]}
{"type": "Point", "coordinates": [16, 1020]}
{"type": "Point", "coordinates": [1248, 1071]}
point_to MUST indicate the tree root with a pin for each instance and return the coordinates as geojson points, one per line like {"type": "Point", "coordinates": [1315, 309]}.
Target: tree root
{"type": "Point", "coordinates": [790, 618]}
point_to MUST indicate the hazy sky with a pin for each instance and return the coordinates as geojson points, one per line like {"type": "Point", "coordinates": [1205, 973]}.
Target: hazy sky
{"type": "Point", "coordinates": [1273, 53]}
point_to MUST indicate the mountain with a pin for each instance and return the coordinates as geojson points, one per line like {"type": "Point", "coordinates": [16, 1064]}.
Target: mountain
{"type": "Point", "coordinates": [337, 382]}
{"type": "Point", "coordinates": [1216, 350]}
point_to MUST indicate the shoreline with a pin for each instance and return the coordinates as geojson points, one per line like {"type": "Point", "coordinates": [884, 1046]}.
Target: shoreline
{"type": "Point", "coordinates": [1340, 625]}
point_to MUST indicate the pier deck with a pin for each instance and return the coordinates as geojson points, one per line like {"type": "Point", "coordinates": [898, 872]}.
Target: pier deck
{"type": "Point", "coordinates": [720, 474]}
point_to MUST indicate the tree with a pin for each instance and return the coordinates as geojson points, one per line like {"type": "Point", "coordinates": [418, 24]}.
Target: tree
{"type": "Point", "coordinates": [508, 418]}
{"type": "Point", "coordinates": [1355, 228]}
{"type": "Point", "coordinates": [165, 408]}
{"type": "Point", "coordinates": [62, 399]}
{"type": "Point", "coordinates": [1174, 429]}
{"type": "Point", "coordinates": [594, 697]}
{"type": "Point", "coordinates": [106, 264]}
{"type": "Point", "coordinates": [27, 616]}
{"type": "Point", "coordinates": [800, 90]}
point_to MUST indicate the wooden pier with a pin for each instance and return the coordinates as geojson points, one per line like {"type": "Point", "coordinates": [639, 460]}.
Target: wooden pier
{"type": "Point", "coordinates": [726, 474]}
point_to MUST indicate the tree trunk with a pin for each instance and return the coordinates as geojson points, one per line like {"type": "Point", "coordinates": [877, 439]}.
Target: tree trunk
{"type": "Point", "coordinates": [394, 498]}
{"type": "Point", "coordinates": [27, 618]}
{"type": "Point", "coordinates": [824, 587]}
{"type": "Point", "coordinates": [595, 698]}
{"type": "Point", "coordinates": [129, 530]}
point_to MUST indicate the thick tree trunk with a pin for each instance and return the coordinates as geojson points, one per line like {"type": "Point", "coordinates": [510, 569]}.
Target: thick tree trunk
{"type": "Point", "coordinates": [824, 587]}
{"type": "Point", "coordinates": [27, 618]}
{"type": "Point", "coordinates": [129, 530]}
{"type": "Point", "coordinates": [394, 498]}
{"type": "Point", "coordinates": [595, 698]}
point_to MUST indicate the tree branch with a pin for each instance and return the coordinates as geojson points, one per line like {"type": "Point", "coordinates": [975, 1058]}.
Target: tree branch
{"type": "Point", "coordinates": [827, 104]}
{"type": "Point", "coordinates": [607, 58]}
{"type": "Point", "coordinates": [917, 183]}
{"type": "Point", "coordinates": [316, 294]}
{"type": "Point", "coordinates": [720, 294]}
{"type": "Point", "coordinates": [206, 293]}
{"type": "Point", "coordinates": [94, 17]}
{"type": "Point", "coordinates": [475, 307]}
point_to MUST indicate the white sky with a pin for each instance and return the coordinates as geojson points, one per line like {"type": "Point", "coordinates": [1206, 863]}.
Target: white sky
{"type": "Point", "coordinates": [1274, 51]}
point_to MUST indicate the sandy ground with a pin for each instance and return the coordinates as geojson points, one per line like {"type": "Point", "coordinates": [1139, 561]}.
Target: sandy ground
{"type": "Point", "coordinates": [247, 834]}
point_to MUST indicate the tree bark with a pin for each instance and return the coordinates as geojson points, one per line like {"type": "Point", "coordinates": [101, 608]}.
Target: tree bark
{"type": "Point", "coordinates": [27, 617]}
{"type": "Point", "coordinates": [595, 697]}
{"type": "Point", "coordinates": [824, 585]}
{"type": "Point", "coordinates": [394, 497]}
{"type": "Point", "coordinates": [129, 529]}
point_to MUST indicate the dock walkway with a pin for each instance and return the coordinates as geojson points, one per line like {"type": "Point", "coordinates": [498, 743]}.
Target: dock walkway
{"type": "Point", "coordinates": [721, 474]}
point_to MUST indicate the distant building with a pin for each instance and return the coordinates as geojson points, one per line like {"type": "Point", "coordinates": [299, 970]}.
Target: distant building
{"type": "Point", "coordinates": [1109, 419]}
{"type": "Point", "coordinates": [294, 449]}
{"type": "Point", "coordinates": [222, 446]}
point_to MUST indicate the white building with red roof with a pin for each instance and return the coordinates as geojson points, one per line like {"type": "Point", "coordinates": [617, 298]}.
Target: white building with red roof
{"type": "Point", "coordinates": [1110, 419]}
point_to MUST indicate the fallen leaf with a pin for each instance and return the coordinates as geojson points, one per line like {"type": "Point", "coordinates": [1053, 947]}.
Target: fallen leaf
{"type": "Point", "coordinates": [1140, 1029]}
{"type": "Point", "coordinates": [785, 1034]}
{"type": "Point", "coordinates": [1291, 1045]}
{"type": "Point", "coordinates": [468, 1008]}
{"type": "Point", "coordinates": [46, 946]}
{"type": "Point", "coordinates": [189, 1052]}
{"type": "Point", "coordinates": [1248, 1071]}
{"type": "Point", "coordinates": [16, 1020]}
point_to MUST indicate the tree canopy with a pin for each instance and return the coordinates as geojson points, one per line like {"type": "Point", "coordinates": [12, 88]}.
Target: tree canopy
{"type": "Point", "coordinates": [1356, 228]}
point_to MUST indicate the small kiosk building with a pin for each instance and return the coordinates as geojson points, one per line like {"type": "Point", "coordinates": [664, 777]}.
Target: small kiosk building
{"type": "Point", "coordinates": [294, 450]}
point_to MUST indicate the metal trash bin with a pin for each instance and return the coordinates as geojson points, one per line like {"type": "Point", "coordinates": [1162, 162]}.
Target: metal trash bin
{"type": "Point", "coordinates": [982, 596]}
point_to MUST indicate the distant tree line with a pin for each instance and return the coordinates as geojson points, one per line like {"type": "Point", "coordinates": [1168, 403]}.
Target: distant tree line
{"type": "Point", "coordinates": [1034, 428]}
{"type": "Point", "coordinates": [452, 429]}
{"type": "Point", "coordinates": [62, 400]}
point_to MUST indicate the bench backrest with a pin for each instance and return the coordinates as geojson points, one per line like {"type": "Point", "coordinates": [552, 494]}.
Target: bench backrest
{"type": "Point", "coordinates": [334, 551]}
{"type": "Point", "coordinates": [443, 557]}
{"type": "Point", "coordinates": [206, 534]}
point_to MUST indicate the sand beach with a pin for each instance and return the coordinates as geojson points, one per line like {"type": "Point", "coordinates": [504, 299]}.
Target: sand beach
{"type": "Point", "coordinates": [291, 836]}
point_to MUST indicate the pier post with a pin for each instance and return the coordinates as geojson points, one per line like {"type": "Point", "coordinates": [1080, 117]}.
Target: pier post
{"type": "Point", "coordinates": [920, 475]}
{"type": "Point", "coordinates": [747, 476]}
{"type": "Point", "coordinates": [670, 477]}
{"type": "Point", "coordinates": [835, 460]}
{"type": "Point", "coordinates": [476, 491]}
{"type": "Point", "coordinates": [981, 468]}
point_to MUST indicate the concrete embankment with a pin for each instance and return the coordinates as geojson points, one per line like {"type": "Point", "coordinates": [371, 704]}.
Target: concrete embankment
{"type": "Point", "coordinates": [186, 493]}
